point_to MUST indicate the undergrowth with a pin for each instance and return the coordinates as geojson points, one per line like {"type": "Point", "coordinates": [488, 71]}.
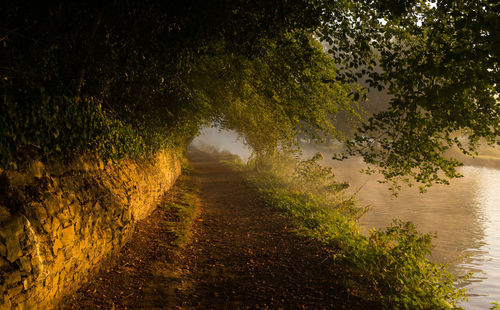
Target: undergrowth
{"type": "Point", "coordinates": [392, 266]}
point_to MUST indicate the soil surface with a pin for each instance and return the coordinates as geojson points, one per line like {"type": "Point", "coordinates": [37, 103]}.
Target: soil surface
{"type": "Point", "coordinates": [241, 255]}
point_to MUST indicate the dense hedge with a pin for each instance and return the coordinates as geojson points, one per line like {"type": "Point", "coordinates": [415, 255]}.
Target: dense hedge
{"type": "Point", "coordinates": [60, 127]}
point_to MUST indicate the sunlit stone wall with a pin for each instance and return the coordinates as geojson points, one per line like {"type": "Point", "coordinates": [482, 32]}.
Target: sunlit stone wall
{"type": "Point", "coordinates": [58, 224]}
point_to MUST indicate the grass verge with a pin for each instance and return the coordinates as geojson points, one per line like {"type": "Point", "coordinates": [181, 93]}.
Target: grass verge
{"type": "Point", "coordinates": [183, 206]}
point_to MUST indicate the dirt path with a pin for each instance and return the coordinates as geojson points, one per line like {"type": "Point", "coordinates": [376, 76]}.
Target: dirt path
{"type": "Point", "coordinates": [241, 255]}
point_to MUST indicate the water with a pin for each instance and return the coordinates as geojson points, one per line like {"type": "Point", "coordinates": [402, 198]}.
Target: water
{"type": "Point", "coordinates": [465, 216]}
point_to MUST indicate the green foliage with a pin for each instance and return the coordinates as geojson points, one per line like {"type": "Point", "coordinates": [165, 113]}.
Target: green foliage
{"type": "Point", "coordinates": [155, 72]}
{"type": "Point", "coordinates": [158, 70]}
{"type": "Point", "coordinates": [290, 87]}
{"type": "Point", "coordinates": [392, 266]}
{"type": "Point", "coordinates": [59, 127]}
{"type": "Point", "coordinates": [322, 178]}
{"type": "Point", "coordinates": [396, 261]}
{"type": "Point", "coordinates": [440, 65]}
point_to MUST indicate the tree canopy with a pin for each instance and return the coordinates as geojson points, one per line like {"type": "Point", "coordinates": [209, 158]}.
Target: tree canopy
{"type": "Point", "coordinates": [439, 61]}
{"type": "Point", "coordinates": [128, 78]}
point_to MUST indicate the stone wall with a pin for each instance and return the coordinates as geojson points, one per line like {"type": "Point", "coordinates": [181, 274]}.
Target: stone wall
{"type": "Point", "coordinates": [58, 224]}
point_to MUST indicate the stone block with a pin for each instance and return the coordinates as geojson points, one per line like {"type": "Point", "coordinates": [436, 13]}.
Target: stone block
{"type": "Point", "coordinates": [6, 303]}
{"type": "Point", "coordinates": [76, 252]}
{"type": "Point", "coordinates": [16, 290]}
{"type": "Point", "coordinates": [100, 164]}
{"type": "Point", "coordinates": [59, 261]}
{"type": "Point", "coordinates": [55, 226]}
{"type": "Point", "coordinates": [39, 263]}
{"type": "Point", "coordinates": [12, 227]}
{"type": "Point", "coordinates": [72, 197]}
{"type": "Point", "coordinates": [47, 225]}
{"type": "Point", "coordinates": [57, 168]}
{"type": "Point", "coordinates": [55, 280]}
{"type": "Point", "coordinates": [17, 179]}
{"type": "Point", "coordinates": [85, 231]}
{"type": "Point", "coordinates": [56, 246]}
{"type": "Point", "coordinates": [72, 208]}
{"type": "Point", "coordinates": [54, 182]}
{"type": "Point", "coordinates": [78, 224]}
{"type": "Point", "coordinates": [25, 264]}
{"type": "Point", "coordinates": [23, 304]}
{"type": "Point", "coordinates": [26, 283]}
{"type": "Point", "coordinates": [13, 249]}
{"type": "Point", "coordinates": [70, 267]}
{"type": "Point", "coordinates": [4, 214]}
{"type": "Point", "coordinates": [83, 265]}
{"type": "Point", "coordinates": [38, 211]}
{"type": "Point", "coordinates": [53, 204]}
{"type": "Point", "coordinates": [52, 292]}
{"type": "Point", "coordinates": [13, 278]}
{"type": "Point", "coordinates": [3, 250]}
{"type": "Point", "coordinates": [86, 166]}
{"type": "Point", "coordinates": [51, 282]}
{"type": "Point", "coordinates": [65, 216]}
{"type": "Point", "coordinates": [37, 169]}
{"type": "Point", "coordinates": [68, 235]}
{"type": "Point", "coordinates": [3, 262]}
